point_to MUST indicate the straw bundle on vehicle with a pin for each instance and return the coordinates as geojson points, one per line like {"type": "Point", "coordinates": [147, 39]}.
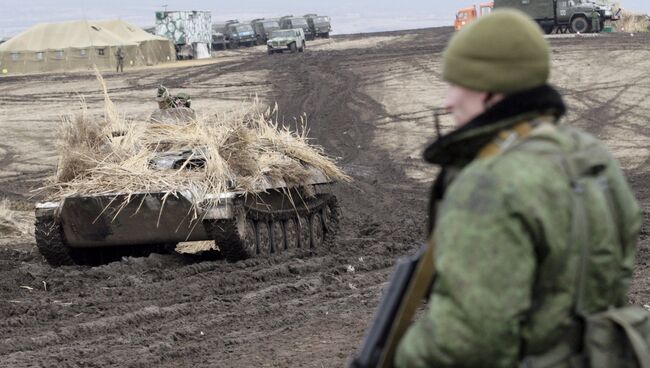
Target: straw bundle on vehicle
{"type": "Point", "coordinates": [242, 150]}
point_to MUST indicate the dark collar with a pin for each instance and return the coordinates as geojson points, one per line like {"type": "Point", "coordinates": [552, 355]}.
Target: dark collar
{"type": "Point", "coordinates": [463, 144]}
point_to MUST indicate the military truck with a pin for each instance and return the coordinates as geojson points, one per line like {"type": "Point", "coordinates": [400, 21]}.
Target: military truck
{"type": "Point", "coordinates": [286, 39]}
{"type": "Point", "coordinates": [319, 25]}
{"type": "Point", "coordinates": [291, 22]}
{"type": "Point", "coordinates": [240, 34]}
{"type": "Point", "coordinates": [562, 15]}
{"type": "Point", "coordinates": [263, 28]}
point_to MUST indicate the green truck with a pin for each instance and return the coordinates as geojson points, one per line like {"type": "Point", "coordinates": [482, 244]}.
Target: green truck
{"type": "Point", "coordinates": [576, 16]}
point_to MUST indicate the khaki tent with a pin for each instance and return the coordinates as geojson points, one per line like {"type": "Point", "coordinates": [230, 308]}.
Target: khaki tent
{"type": "Point", "coordinates": [78, 45]}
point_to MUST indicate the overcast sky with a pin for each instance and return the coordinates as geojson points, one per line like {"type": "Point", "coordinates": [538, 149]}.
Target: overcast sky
{"type": "Point", "coordinates": [348, 16]}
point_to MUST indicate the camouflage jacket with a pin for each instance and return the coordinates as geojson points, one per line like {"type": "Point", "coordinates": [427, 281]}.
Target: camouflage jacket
{"type": "Point", "coordinates": [506, 272]}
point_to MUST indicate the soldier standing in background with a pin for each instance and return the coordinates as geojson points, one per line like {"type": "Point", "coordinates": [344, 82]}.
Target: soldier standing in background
{"type": "Point", "coordinates": [595, 22]}
{"type": "Point", "coordinates": [533, 222]}
{"type": "Point", "coordinates": [119, 56]}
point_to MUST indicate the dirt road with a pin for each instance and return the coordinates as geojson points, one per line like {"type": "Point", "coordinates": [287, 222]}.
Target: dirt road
{"type": "Point", "coordinates": [367, 100]}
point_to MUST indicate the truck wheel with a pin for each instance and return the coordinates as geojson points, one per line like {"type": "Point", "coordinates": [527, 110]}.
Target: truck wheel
{"type": "Point", "coordinates": [302, 48]}
{"type": "Point", "coordinates": [293, 48]}
{"type": "Point", "coordinates": [579, 25]}
{"type": "Point", "coordinates": [326, 35]}
{"type": "Point", "coordinates": [269, 51]}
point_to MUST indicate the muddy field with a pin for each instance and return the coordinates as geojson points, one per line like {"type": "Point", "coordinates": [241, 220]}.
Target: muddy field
{"type": "Point", "coordinates": [368, 101]}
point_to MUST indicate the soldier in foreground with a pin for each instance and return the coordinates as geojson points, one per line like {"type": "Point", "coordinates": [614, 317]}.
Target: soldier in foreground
{"type": "Point", "coordinates": [534, 224]}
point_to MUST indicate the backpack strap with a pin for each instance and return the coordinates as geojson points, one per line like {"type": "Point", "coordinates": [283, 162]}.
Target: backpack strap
{"type": "Point", "coordinates": [639, 344]}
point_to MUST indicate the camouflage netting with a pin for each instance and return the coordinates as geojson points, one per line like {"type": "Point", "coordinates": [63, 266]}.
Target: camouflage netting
{"type": "Point", "coordinates": [245, 147]}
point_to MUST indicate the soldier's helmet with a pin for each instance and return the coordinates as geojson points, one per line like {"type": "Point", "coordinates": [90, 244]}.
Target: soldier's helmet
{"type": "Point", "coordinates": [163, 93]}
{"type": "Point", "coordinates": [183, 99]}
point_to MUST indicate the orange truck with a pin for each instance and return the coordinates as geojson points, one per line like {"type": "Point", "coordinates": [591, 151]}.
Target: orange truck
{"type": "Point", "coordinates": [466, 15]}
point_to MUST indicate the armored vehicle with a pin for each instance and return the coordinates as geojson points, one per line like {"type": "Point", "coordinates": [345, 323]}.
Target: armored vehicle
{"type": "Point", "coordinates": [266, 219]}
{"type": "Point", "coordinates": [286, 39]}
{"type": "Point", "coordinates": [319, 25]}
{"type": "Point", "coordinates": [291, 22]}
{"type": "Point", "coordinates": [562, 15]}
{"type": "Point", "coordinates": [103, 228]}
{"type": "Point", "coordinates": [263, 28]}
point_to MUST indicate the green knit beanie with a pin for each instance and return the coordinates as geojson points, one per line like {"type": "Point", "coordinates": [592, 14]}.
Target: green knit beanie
{"type": "Point", "coordinates": [501, 52]}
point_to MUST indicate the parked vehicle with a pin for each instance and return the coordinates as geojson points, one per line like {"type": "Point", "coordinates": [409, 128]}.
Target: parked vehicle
{"type": "Point", "coordinates": [575, 16]}
{"type": "Point", "coordinates": [286, 39]}
{"type": "Point", "coordinates": [291, 22]}
{"type": "Point", "coordinates": [240, 34]}
{"type": "Point", "coordinates": [263, 28]}
{"type": "Point", "coordinates": [466, 15]}
{"type": "Point", "coordinates": [319, 25]}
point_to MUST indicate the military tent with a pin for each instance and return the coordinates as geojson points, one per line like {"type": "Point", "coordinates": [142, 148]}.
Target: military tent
{"type": "Point", "coordinates": [78, 45]}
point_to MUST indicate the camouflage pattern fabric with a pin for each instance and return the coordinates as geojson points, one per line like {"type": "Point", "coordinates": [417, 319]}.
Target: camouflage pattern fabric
{"type": "Point", "coordinates": [505, 283]}
{"type": "Point", "coordinates": [595, 22]}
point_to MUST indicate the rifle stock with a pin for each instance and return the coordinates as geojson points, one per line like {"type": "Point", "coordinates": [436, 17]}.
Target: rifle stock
{"type": "Point", "coordinates": [408, 285]}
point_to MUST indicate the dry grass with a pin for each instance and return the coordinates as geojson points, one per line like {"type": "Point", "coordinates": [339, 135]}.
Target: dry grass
{"type": "Point", "coordinates": [246, 146]}
{"type": "Point", "coordinates": [631, 22]}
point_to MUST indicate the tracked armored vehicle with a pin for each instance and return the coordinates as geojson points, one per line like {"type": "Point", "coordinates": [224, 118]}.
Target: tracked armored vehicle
{"type": "Point", "coordinates": [99, 229]}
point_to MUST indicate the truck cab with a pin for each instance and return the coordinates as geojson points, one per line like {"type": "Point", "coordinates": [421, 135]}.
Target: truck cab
{"type": "Point", "coordinates": [468, 14]}
{"type": "Point", "coordinates": [240, 34]}
{"type": "Point", "coordinates": [291, 22]}
{"type": "Point", "coordinates": [320, 25]}
{"type": "Point", "coordinates": [263, 28]}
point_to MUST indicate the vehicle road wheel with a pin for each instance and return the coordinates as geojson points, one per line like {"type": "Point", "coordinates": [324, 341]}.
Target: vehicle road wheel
{"type": "Point", "coordinates": [579, 25]}
{"type": "Point", "coordinates": [263, 238]}
{"type": "Point", "coordinates": [269, 51]}
{"type": "Point", "coordinates": [305, 232]}
{"type": "Point", "coordinates": [250, 239]}
{"type": "Point", "coordinates": [291, 233]}
{"type": "Point", "coordinates": [327, 218]}
{"type": "Point", "coordinates": [293, 48]}
{"type": "Point", "coordinates": [277, 236]}
{"type": "Point", "coordinates": [317, 233]}
{"type": "Point", "coordinates": [302, 49]}
{"type": "Point", "coordinates": [326, 35]}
